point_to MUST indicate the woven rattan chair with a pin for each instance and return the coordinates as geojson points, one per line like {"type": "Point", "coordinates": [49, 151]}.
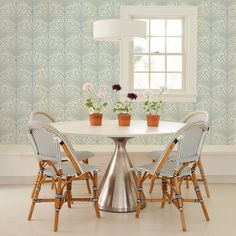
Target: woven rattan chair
{"type": "Point", "coordinates": [174, 170]}
{"type": "Point", "coordinates": [47, 143]}
{"type": "Point", "coordinates": [43, 117]}
{"type": "Point", "coordinates": [193, 117]}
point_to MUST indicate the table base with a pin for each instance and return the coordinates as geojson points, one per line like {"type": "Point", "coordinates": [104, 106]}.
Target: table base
{"type": "Point", "coordinates": [117, 188]}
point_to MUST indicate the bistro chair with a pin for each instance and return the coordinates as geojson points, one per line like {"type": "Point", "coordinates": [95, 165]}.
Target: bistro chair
{"type": "Point", "coordinates": [47, 143]}
{"type": "Point", "coordinates": [174, 170]}
{"type": "Point", "coordinates": [43, 117]}
{"type": "Point", "coordinates": [155, 156]}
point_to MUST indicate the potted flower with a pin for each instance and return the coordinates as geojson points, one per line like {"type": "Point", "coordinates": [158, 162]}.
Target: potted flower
{"type": "Point", "coordinates": [152, 107]}
{"type": "Point", "coordinates": [123, 107]}
{"type": "Point", "coordinates": [95, 104]}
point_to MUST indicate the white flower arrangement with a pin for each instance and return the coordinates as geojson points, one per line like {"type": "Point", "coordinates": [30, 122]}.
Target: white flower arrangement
{"type": "Point", "coordinates": [153, 106]}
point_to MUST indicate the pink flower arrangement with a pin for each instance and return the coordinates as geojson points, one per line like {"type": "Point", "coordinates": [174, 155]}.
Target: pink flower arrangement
{"type": "Point", "coordinates": [95, 104]}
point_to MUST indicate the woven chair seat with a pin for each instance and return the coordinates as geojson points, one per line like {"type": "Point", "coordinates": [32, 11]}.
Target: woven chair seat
{"type": "Point", "coordinates": [172, 157]}
{"type": "Point", "coordinates": [79, 155]}
{"type": "Point", "coordinates": [68, 170]}
{"type": "Point", "coordinates": [155, 155]}
{"type": "Point", "coordinates": [166, 171]}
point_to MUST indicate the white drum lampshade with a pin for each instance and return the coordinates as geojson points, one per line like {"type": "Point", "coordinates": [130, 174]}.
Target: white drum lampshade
{"type": "Point", "coordinates": [118, 29]}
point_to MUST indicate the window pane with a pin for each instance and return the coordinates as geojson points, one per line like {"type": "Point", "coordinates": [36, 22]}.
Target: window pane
{"type": "Point", "coordinates": [157, 27]}
{"type": "Point", "coordinates": [174, 45]}
{"type": "Point", "coordinates": [158, 63]}
{"type": "Point", "coordinates": [141, 45]}
{"type": "Point", "coordinates": [174, 63]}
{"type": "Point", "coordinates": [174, 27]}
{"type": "Point", "coordinates": [157, 45]}
{"type": "Point", "coordinates": [141, 63]}
{"type": "Point", "coordinates": [174, 80]}
{"type": "Point", "coordinates": [157, 80]}
{"type": "Point", "coordinates": [141, 81]}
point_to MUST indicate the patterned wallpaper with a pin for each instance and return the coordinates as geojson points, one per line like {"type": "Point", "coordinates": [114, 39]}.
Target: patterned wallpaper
{"type": "Point", "coordinates": [47, 52]}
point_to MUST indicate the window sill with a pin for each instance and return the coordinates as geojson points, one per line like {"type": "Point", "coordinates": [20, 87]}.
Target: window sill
{"type": "Point", "coordinates": [175, 98]}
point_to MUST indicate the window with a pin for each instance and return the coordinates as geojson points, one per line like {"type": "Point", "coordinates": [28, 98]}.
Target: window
{"type": "Point", "coordinates": [158, 60]}
{"type": "Point", "coordinates": [167, 57]}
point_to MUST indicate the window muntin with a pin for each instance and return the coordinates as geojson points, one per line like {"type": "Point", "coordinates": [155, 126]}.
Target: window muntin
{"type": "Point", "coordinates": [158, 59]}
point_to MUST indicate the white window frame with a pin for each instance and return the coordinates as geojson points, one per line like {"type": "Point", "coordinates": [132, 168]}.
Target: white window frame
{"type": "Point", "coordinates": [189, 15]}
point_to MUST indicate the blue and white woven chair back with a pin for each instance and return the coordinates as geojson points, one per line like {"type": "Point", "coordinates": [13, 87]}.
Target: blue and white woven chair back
{"type": "Point", "coordinates": [44, 142]}
{"type": "Point", "coordinates": [190, 144]}
{"type": "Point", "coordinates": [196, 116]}
{"type": "Point", "coordinates": [189, 139]}
{"type": "Point", "coordinates": [39, 116]}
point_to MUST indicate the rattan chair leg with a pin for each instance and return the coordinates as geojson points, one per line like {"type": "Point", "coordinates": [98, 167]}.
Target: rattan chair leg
{"type": "Point", "coordinates": [88, 185]}
{"type": "Point", "coordinates": [164, 190]}
{"type": "Point", "coordinates": [171, 190]}
{"type": "Point", "coordinates": [152, 182]}
{"type": "Point", "coordinates": [151, 185]}
{"type": "Point", "coordinates": [52, 184]}
{"type": "Point", "coordinates": [35, 195]}
{"type": "Point", "coordinates": [35, 185]}
{"type": "Point", "coordinates": [139, 194]}
{"type": "Point", "coordinates": [95, 194]}
{"type": "Point", "coordinates": [199, 195]}
{"type": "Point", "coordinates": [203, 177]}
{"type": "Point", "coordinates": [68, 192]}
{"type": "Point", "coordinates": [87, 179]}
{"type": "Point", "coordinates": [179, 200]}
{"type": "Point", "coordinates": [56, 219]}
{"type": "Point", "coordinates": [59, 200]}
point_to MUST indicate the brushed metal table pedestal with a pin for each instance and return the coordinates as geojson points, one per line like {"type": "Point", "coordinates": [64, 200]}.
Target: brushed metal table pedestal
{"type": "Point", "coordinates": [117, 188]}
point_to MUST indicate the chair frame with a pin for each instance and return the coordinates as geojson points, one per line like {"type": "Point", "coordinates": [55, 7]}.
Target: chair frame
{"type": "Point", "coordinates": [174, 182]}
{"type": "Point", "coordinates": [33, 119]}
{"type": "Point", "coordinates": [33, 113]}
{"type": "Point", "coordinates": [62, 183]}
{"type": "Point", "coordinates": [199, 164]}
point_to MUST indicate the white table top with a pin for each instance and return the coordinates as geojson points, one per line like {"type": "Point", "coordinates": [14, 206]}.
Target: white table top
{"type": "Point", "coordinates": [110, 128]}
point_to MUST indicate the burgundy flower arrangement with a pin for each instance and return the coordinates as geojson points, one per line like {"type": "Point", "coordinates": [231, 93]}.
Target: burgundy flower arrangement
{"type": "Point", "coordinates": [123, 107]}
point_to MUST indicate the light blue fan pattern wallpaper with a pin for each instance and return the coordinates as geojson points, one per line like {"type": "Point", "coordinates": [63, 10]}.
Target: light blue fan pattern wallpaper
{"type": "Point", "coordinates": [47, 52]}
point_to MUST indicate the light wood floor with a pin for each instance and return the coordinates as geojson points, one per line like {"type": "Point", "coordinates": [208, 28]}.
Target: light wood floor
{"type": "Point", "coordinates": [81, 220]}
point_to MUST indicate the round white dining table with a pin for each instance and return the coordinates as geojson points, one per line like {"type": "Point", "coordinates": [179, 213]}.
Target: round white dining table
{"type": "Point", "coordinates": [117, 188]}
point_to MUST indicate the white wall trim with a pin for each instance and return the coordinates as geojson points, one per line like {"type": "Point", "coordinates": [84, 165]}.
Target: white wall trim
{"type": "Point", "coordinates": [189, 14]}
{"type": "Point", "coordinates": [6, 149]}
{"type": "Point", "coordinates": [18, 164]}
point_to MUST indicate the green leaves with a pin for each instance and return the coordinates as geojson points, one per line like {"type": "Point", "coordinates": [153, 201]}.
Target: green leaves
{"type": "Point", "coordinates": [95, 107]}
{"type": "Point", "coordinates": [152, 107]}
{"type": "Point", "coordinates": [123, 107]}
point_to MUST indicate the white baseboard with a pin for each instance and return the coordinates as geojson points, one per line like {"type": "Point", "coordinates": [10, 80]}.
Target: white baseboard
{"type": "Point", "coordinates": [221, 179]}
{"type": "Point", "coordinates": [19, 166]}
